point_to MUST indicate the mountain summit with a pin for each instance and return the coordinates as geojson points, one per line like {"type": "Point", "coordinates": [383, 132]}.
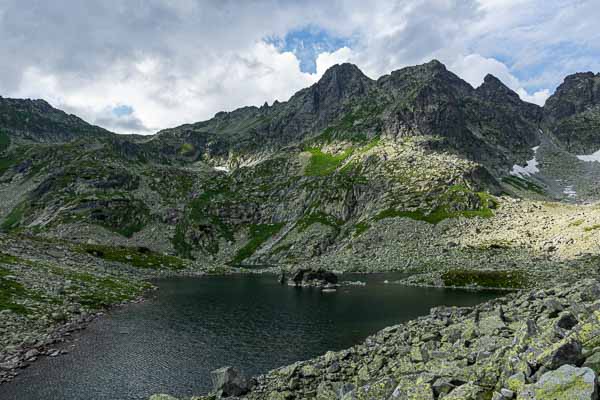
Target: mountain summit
{"type": "Point", "coordinates": [572, 113]}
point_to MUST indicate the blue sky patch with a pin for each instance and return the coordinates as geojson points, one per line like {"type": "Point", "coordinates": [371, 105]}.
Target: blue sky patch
{"type": "Point", "coordinates": [122, 110]}
{"type": "Point", "coordinates": [307, 43]}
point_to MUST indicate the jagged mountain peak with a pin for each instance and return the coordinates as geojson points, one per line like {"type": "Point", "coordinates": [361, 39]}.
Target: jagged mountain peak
{"type": "Point", "coordinates": [341, 81]}
{"type": "Point", "coordinates": [428, 69]}
{"type": "Point", "coordinates": [435, 65]}
{"type": "Point", "coordinates": [580, 76]}
{"type": "Point", "coordinates": [490, 79]}
{"type": "Point", "coordinates": [576, 93]}
{"type": "Point", "coordinates": [493, 88]}
{"type": "Point", "coordinates": [572, 113]}
{"type": "Point", "coordinates": [432, 75]}
{"type": "Point", "coordinates": [346, 71]}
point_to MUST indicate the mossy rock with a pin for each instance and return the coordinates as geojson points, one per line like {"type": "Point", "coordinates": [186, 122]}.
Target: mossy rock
{"type": "Point", "coordinates": [565, 383]}
{"type": "Point", "coordinates": [484, 279]}
{"type": "Point", "coordinates": [322, 164]}
{"type": "Point", "coordinates": [258, 235]}
{"type": "Point", "coordinates": [139, 257]}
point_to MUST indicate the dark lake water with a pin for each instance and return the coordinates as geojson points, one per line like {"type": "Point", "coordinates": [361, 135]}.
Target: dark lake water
{"type": "Point", "coordinates": [171, 342]}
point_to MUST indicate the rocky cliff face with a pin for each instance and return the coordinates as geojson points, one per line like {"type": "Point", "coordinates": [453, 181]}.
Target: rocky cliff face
{"type": "Point", "coordinates": [490, 125]}
{"type": "Point", "coordinates": [573, 113]}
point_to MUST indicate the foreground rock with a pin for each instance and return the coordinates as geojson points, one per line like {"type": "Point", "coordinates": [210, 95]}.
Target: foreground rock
{"type": "Point", "coordinates": [566, 383]}
{"type": "Point", "coordinates": [539, 344]}
{"type": "Point", "coordinates": [229, 381]}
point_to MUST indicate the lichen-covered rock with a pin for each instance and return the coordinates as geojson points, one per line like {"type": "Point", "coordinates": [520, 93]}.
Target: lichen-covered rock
{"type": "Point", "coordinates": [229, 381]}
{"type": "Point", "coordinates": [566, 383]}
{"type": "Point", "coordinates": [593, 362]}
{"type": "Point", "coordinates": [516, 382]}
{"type": "Point", "coordinates": [162, 397]}
{"type": "Point", "coordinates": [417, 388]}
{"type": "Point", "coordinates": [381, 389]}
{"type": "Point", "coordinates": [468, 391]}
{"type": "Point", "coordinates": [566, 352]}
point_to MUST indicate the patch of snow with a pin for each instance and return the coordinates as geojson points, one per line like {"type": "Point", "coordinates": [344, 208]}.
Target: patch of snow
{"type": "Point", "coordinates": [590, 157]}
{"type": "Point", "coordinates": [529, 169]}
{"type": "Point", "coordinates": [570, 192]}
{"type": "Point", "coordinates": [224, 169]}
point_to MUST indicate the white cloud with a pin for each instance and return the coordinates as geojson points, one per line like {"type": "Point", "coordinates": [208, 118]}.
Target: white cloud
{"type": "Point", "coordinates": [326, 60]}
{"type": "Point", "coordinates": [538, 97]}
{"type": "Point", "coordinates": [179, 62]}
{"type": "Point", "coordinates": [162, 97]}
{"type": "Point", "coordinates": [473, 68]}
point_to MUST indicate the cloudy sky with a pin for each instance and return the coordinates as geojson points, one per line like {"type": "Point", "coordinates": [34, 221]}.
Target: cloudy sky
{"type": "Point", "coordinates": [136, 66]}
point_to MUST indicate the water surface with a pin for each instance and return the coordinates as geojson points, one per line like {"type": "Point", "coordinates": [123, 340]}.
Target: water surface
{"type": "Point", "coordinates": [171, 342]}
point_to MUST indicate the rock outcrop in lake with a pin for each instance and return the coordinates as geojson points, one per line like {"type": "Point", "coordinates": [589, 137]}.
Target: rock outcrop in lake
{"type": "Point", "coordinates": [312, 277]}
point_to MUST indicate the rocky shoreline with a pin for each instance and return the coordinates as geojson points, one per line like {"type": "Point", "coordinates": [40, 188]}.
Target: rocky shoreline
{"type": "Point", "coordinates": [536, 344]}
{"type": "Point", "coordinates": [52, 290]}
{"type": "Point", "coordinates": [20, 357]}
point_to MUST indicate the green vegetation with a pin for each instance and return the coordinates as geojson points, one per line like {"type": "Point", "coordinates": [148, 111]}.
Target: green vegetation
{"type": "Point", "coordinates": [8, 259]}
{"type": "Point", "coordinates": [200, 218]}
{"type": "Point", "coordinates": [282, 248]}
{"type": "Point", "coordinates": [102, 292]}
{"type": "Point", "coordinates": [13, 219]}
{"type": "Point", "coordinates": [128, 229]}
{"type": "Point", "coordinates": [457, 201]}
{"type": "Point", "coordinates": [258, 235]}
{"type": "Point", "coordinates": [373, 143]}
{"type": "Point", "coordinates": [591, 227]}
{"type": "Point", "coordinates": [10, 290]}
{"type": "Point", "coordinates": [322, 164]}
{"type": "Point", "coordinates": [485, 279]}
{"type": "Point", "coordinates": [139, 257]}
{"type": "Point", "coordinates": [182, 247]}
{"type": "Point", "coordinates": [124, 217]}
{"type": "Point", "coordinates": [523, 184]}
{"type": "Point", "coordinates": [434, 217]}
{"type": "Point", "coordinates": [187, 150]}
{"type": "Point", "coordinates": [360, 228]}
{"type": "Point", "coordinates": [353, 125]}
{"type": "Point", "coordinates": [7, 162]}
{"type": "Point", "coordinates": [318, 218]}
{"type": "Point", "coordinates": [171, 183]}
{"type": "Point", "coordinates": [577, 222]}
{"type": "Point", "coordinates": [4, 141]}
{"type": "Point", "coordinates": [90, 290]}
{"type": "Point", "coordinates": [199, 213]}
{"type": "Point", "coordinates": [498, 244]}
